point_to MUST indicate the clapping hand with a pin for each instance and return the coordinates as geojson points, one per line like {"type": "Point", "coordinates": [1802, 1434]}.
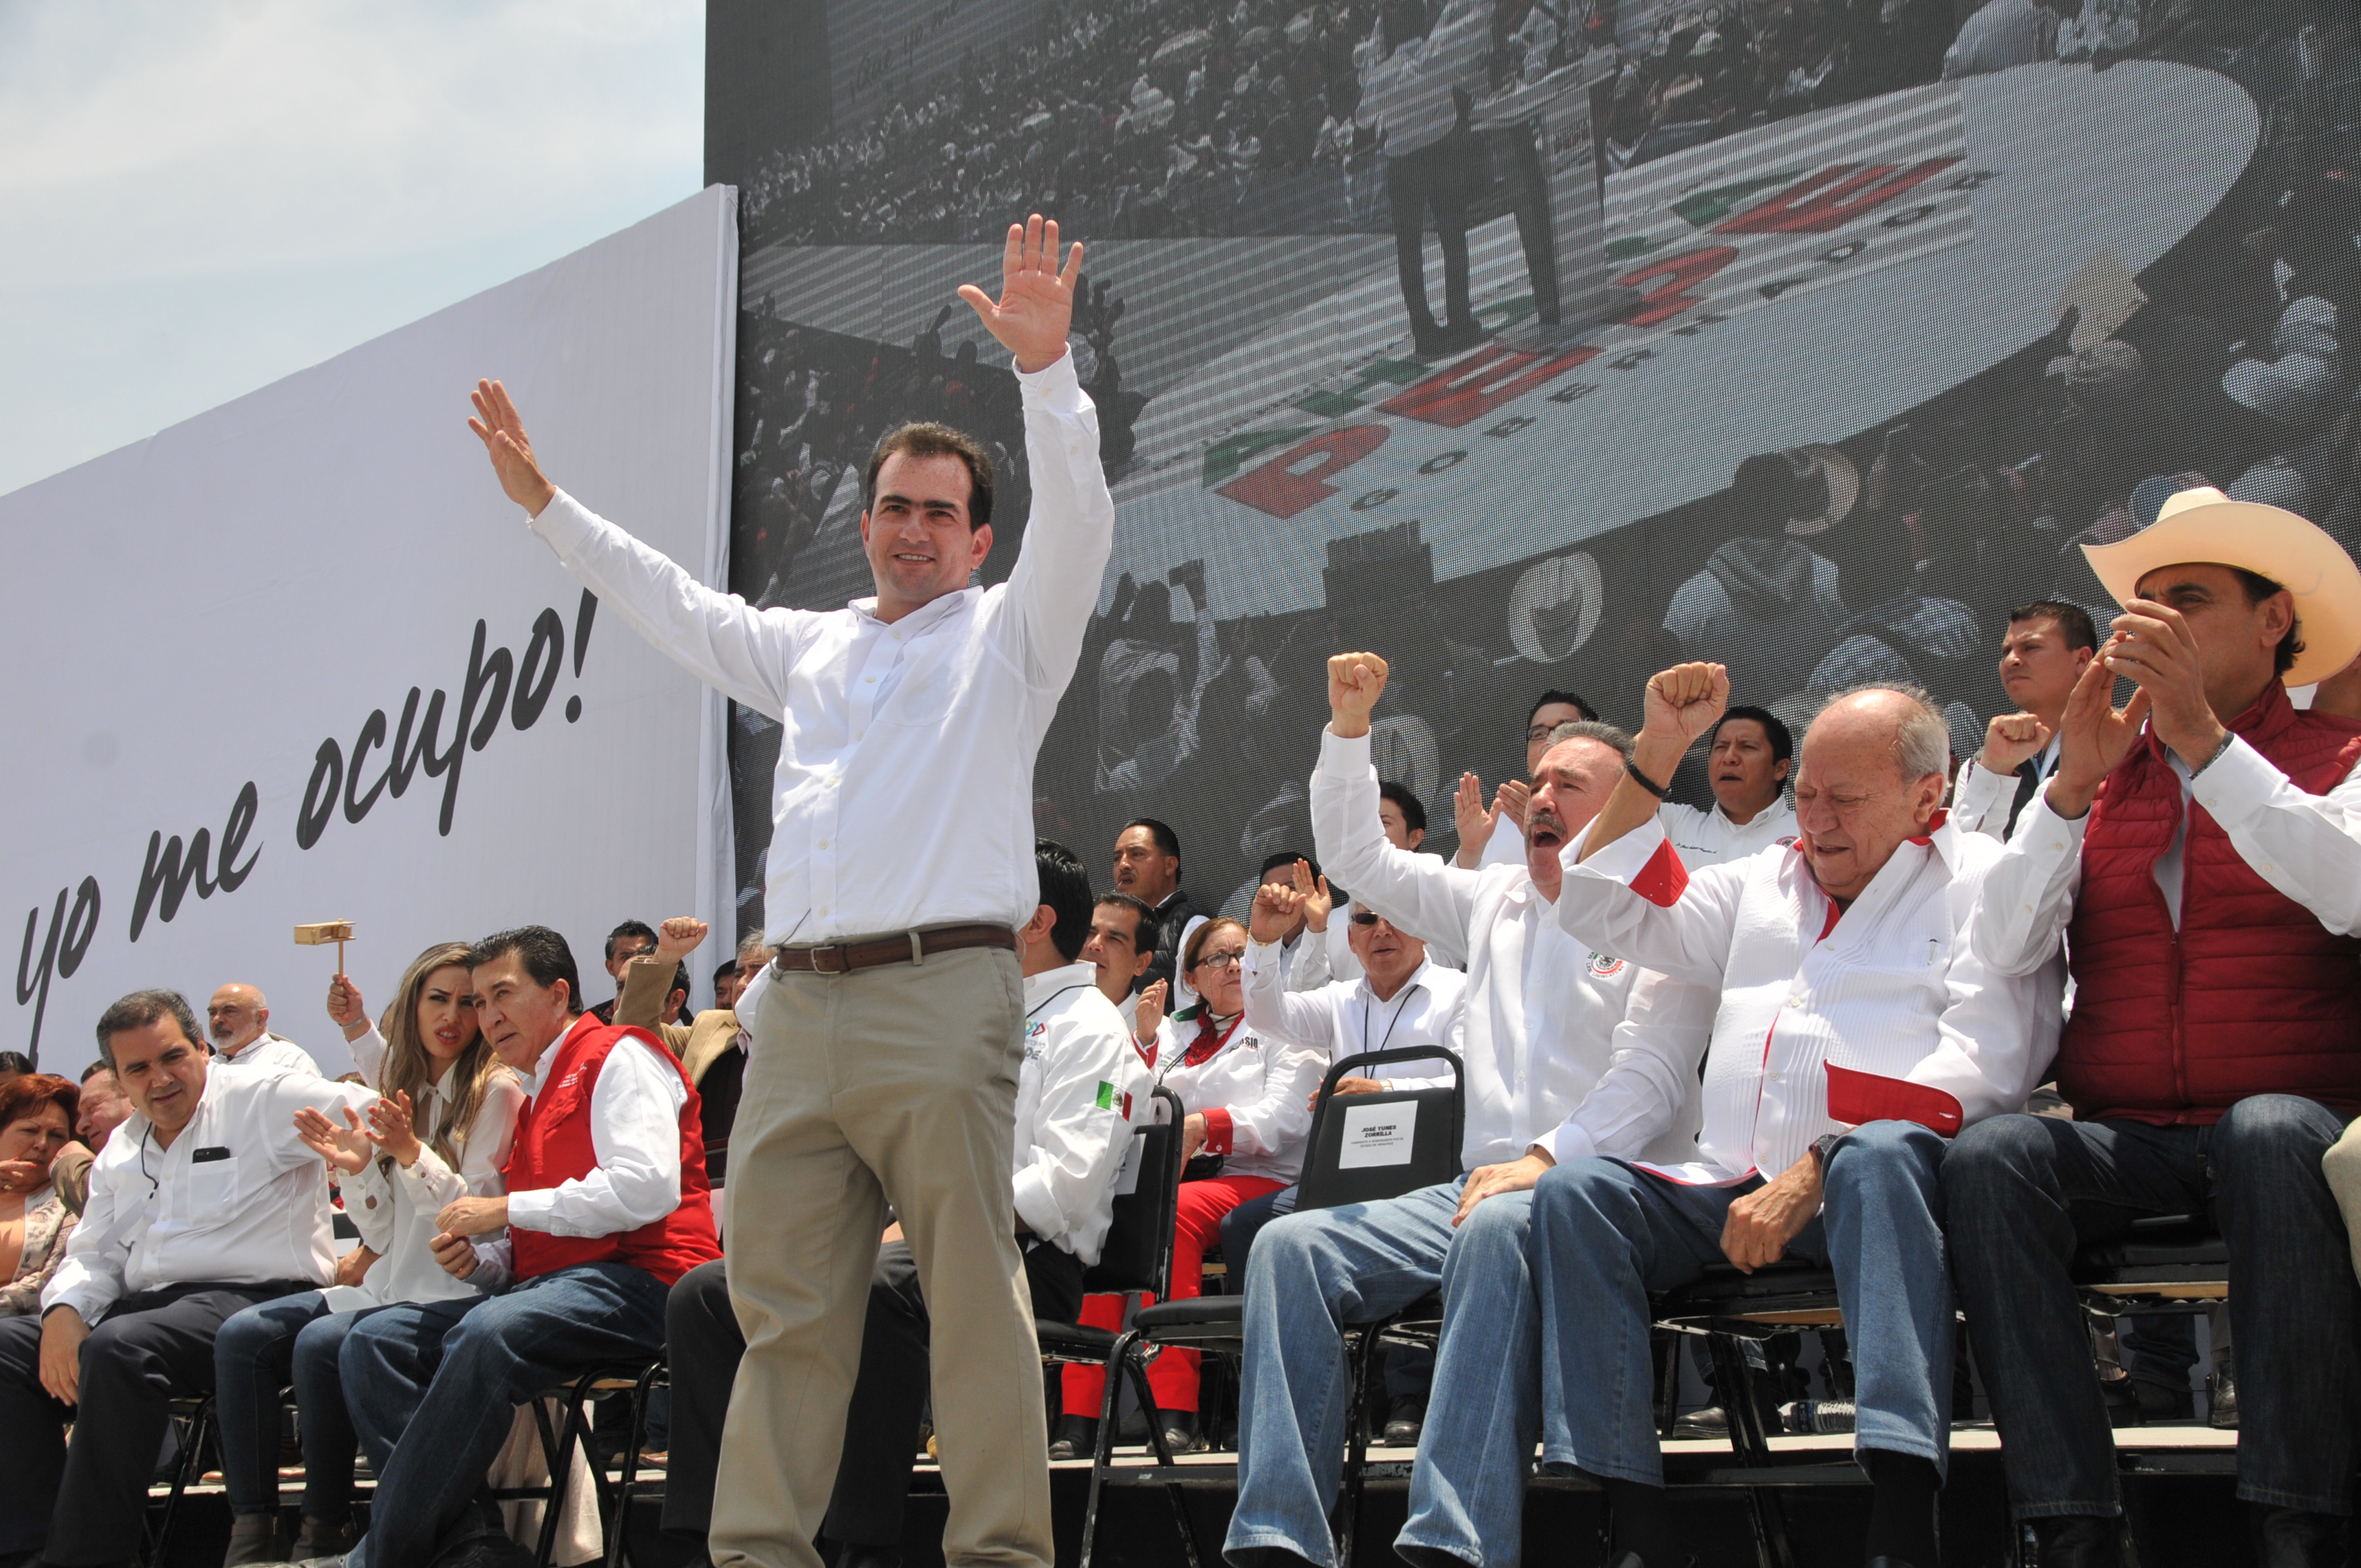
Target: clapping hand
{"type": "Point", "coordinates": [1313, 892]}
{"type": "Point", "coordinates": [2153, 647]}
{"type": "Point", "coordinates": [497, 425]}
{"type": "Point", "coordinates": [389, 1129]}
{"type": "Point", "coordinates": [2010, 740]}
{"type": "Point", "coordinates": [1276, 906]}
{"type": "Point", "coordinates": [1474, 820]}
{"type": "Point", "coordinates": [345, 1149]}
{"type": "Point", "coordinates": [2097, 736]}
{"type": "Point", "coordinates": [1036, 298]}
{"type": "Point", "coordinates": [1149, 1013]}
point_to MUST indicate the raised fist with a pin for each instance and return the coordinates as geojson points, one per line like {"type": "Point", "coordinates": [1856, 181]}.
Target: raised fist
{"type": "Point", "coordinates": [2010, 740]}
{"type": "Point", "coordinates": [677, 938]}
{"type": "Point", "coordinates": [1685, 701]}
{"type": "Point", "coordinates": [1276, 906]}
{"type": "Point", "coordinates": [1355, 680]}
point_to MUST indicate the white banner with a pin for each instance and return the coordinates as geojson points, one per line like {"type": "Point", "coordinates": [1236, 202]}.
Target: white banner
{"type": "Point", "coordinates": [297, 660]}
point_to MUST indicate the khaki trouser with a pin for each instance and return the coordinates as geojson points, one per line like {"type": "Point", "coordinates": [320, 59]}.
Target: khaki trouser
{"type": "Point", "coordinates": [896, 1084]}
{"type": "Point", "coordinates": [2343, 1165]}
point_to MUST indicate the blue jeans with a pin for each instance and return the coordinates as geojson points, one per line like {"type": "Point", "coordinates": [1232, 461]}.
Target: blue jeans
{"type": "Point", "coordinates": [1309, 1275]}
{"type": "Point", "coordinates": [296, 1340]}
{"type": "Point", "coordinates": [1409, 1368]}
{"type": "Point", "coordinates": [2027, 1191]}
{"type": "Point", "coordinates": [1604, 1237]}
{"type": "Point", "coordinates": [455, 1371]}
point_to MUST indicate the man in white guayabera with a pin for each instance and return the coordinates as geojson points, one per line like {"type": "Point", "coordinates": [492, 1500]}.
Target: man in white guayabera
{"type": "Point", "coordinates": [886, 1032]}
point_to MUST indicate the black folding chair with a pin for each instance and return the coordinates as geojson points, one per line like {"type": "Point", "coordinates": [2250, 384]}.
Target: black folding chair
{"type": "Point", "coordinates": [1729, 1308]}
{"type": "Point", "coordinates": [2165, 1261]}
{"type": "Point", "coordinates": [1137, 1256]}
{"type": "Point", "coordinates": [1363, 1149]}
{"type": "Point", "coordinates": [194, 1421]}
{"type": "Point", "coordinates": [639, 1378]}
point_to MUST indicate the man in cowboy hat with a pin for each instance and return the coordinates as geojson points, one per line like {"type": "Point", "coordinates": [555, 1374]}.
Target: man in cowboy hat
{"type": "Point", "coordinates": [2200, 853]}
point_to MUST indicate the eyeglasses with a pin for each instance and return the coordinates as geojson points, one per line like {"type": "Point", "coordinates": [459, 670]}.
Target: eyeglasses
{"type": "Point", "coordinates": [1364, 918]}
{"type": "Point", "coordinates": [1221, 960]}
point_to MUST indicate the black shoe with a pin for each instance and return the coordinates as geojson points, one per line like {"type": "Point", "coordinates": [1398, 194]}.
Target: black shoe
{"type": "Point", "coordinates": [2079, 1541]}
{"type": "Point", "coordinates": [1408, 1419]}
{"type": "Point", "coordinates": [1179, 1429]}
{"type": "Point", "coordinates": [1465, 335]}
{"type": "Point", "coordinates": [1077, 1438]}
{"type": "Point", "coordinates": [2290, 1537]}
{"type": "Point", "coordinates": [493, 1550]}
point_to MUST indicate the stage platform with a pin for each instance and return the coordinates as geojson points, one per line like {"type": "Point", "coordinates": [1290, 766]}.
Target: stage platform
{"type": "Point", "coordinates": [2178, 1489]}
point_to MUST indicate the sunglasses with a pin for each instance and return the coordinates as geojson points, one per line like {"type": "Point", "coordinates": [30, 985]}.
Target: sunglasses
{"type": "Point", "coordinates": [1363, 917]}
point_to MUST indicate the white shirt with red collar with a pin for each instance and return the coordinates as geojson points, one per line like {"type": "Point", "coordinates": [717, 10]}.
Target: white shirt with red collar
{"type": "Point", "coordinates": [1254, 1089]}
{"type": "Point", "coordinates": [1889, 988]}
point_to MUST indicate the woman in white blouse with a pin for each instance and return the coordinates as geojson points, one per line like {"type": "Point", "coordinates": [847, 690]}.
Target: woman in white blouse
{"type": "Point", "coordinates": [441, 1132]}
{"type": "Point", "coordinates": [1248, 1104]}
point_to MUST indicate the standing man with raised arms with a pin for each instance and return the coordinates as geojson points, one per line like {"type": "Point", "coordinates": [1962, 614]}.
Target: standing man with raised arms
{"type": "Point", "coordinates": [886, 1032]}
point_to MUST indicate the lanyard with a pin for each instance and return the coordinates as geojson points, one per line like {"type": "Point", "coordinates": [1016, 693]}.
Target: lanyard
{"type": "Point", "coordinates": [1400, 1002]}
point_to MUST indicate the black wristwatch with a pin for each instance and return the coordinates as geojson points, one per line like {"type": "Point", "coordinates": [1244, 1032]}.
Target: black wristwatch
{"type": "Point", "coordinates": [1823, 1147]}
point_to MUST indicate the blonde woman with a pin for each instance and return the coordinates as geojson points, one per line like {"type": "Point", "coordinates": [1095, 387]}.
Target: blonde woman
{"type": "Point", "coordinates": [439, 1132]}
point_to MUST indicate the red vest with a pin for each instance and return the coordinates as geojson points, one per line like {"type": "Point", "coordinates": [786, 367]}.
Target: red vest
{"type": "Point", "coordinates": [552, 1144]}
{"type": "Point", "coordinates": [2251, 995]}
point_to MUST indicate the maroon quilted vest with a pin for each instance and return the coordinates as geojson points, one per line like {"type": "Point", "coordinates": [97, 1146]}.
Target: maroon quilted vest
{"type": "Point", "coordinates": [2251, 996]}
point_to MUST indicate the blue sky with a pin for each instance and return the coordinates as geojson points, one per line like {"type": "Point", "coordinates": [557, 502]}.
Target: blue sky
{"type": "Point", "coordinates": [201, 196]}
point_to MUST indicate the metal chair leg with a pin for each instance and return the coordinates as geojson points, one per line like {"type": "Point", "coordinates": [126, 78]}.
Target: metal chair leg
{"type": "Point", "coordinates": [618, 1549]}
{"type": "Point", "coordinates": [1103, 1455]}
{"type": "Point", "coordinates": [1750, 1444]}
{"type": "Point", "coordinates": [1357, 1456]}
{"type": "Point", "coordinates": [190, 1467]}
{"type": "Point", "coordinates": [574, 1423]}
{"type": "Point", "coordinates": [1136, 1369]}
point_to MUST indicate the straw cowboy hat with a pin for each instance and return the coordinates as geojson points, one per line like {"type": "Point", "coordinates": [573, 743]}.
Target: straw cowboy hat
{"type": "Point", "coordinates": [1827, 486]}
{"type": "Point", "coordinates": [2204, 524]}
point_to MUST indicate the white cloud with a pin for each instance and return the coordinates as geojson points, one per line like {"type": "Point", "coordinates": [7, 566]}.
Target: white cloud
{"type": "Point", "coordinates": [198, 198]}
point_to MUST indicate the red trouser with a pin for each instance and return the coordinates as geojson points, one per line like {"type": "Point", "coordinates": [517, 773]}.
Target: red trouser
{"type": "Point", "coordinates": [1172, 1377]}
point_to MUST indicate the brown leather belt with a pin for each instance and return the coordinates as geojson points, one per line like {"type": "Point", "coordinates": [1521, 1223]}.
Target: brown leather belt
{"type": "Point", "coordinates": [902, 947]}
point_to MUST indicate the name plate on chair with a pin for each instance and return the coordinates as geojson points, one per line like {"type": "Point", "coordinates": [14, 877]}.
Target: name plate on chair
{"type": "Point", "coordinates": [1377, 1135]}
{"type": "Point", "coordinates": [1127, 1175]}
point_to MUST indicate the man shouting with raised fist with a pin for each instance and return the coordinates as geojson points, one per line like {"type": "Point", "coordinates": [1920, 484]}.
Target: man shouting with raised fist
{"type": "Point", "coordinates": [1856, 1030]}
{"type": "Point", "coordinates": [887, 1032]}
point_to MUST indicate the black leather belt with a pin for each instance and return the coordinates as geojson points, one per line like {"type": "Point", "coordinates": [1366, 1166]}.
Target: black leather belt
{"type": "Point", "coordinates": [903, 947]}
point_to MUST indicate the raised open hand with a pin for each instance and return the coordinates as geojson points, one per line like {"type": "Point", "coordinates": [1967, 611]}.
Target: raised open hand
{"type": "Point", "coordinates": [1313, 892]}
{"type": "Point", "coordinates": [346, 1148]}
{"type": "Point", "coordinates": [498, 427]}
{"type": "Point", "coordinates": [2097, 736]}
{"type": "Point", "coordinates": [1474, 821]}
{"type": "Point", "coordinates": [1355, 680]}
{"type": "Point", "coordinates": [1276, 906]}
{"type": "Point", "coordinates": [1682, 703]}
{"type": "Point", "coordinates": [1148, 1016]}
{"type": "Point", "coordinates": [1036, 298]}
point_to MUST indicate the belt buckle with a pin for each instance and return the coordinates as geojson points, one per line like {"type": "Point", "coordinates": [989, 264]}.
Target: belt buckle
{"type": "Point", "coordinates": [821, 965]}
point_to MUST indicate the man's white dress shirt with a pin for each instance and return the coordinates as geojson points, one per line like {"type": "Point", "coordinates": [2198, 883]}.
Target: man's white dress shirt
{"type": "Point", "coordinates": [2307, 846]}
{"type": "Point", "coordinates": [635, 1139]}
{"type": "Point", "coordinates": [1345, 1018]}
{"type": "Point", "coordinates": [1710, 837]}
{"type": "Point", "coordinates": [237, 1197]}
{"type": "Point", "coordinates": [904, 795]}
{"type": "Point", "coordinates": [1081, 1082]}
{"type": "Point", "coordinates": [1568, 1048]}
{"type": "Point", "coordinates": [395, 1212]}
{"type": "Point", "coordinates": [271, 1053]}
{"type": "Point", "coordinates": [1891, 988]}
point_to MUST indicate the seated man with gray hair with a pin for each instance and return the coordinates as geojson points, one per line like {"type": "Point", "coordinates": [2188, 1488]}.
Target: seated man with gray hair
{"type": "Point", "coordinates": [1857, 1031]}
